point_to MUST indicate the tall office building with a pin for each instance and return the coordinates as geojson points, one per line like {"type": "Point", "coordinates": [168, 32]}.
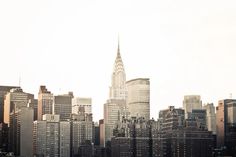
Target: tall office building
{"type": "Point", "coordinates": [20, 131]}
{"type": "Point", "coordinates": [210, 117]}
{"type": "Point", "coordinates": [15, 99]}
{"type": "Point", "coordinates": [63, 105]}
{"type": "Point", "coordinates": [115, 106]}
{"type": "Point", "coordinates": [226, 125]}
{"type": "Point", "coordinates": [45, 102]}
{"type": "Point", "coordinates": [138, 99]}
{"type": "Point", "coordinates": [46, 136]}
{"type": "Point", "coordinates": [78, 102]}
{"type": "Point", "coordinates": [191, 102]}
{"type": "Point", "coordinates": [3, 92]}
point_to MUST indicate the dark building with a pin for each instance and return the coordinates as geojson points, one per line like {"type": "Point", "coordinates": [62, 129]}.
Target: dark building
{"type": "Point", "coordinates": [180, 137]}
{"type": "Point", "coordinates": [3, 137]}
{"type": "Point", "coordinates": [132, 137]}
{"type": "Point", "coordinates": [97, 135]}
{"type": "Point", "coordinates": [226, 126]}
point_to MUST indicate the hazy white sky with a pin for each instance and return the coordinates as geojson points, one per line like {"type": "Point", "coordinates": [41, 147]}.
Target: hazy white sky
{"type": "Point", "coordinates": [184, 47]}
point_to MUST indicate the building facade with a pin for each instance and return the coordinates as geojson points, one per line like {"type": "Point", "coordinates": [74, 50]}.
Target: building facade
{"type": "Point", "coordinates": [45, 102]}
{"type": "Point", "coordinates": [62, 105]}
{"type": "Point", "coordinates": [191, 102]}
{"type": "Point", "coordinates": [85, 102]}
{"type": "Point", "coordinates": [138, 98]}
{"type": "Point", "coordinates": [46, 134]}
{"type": "Point", "coordinates": [226, 126]}
{"type": "Point", "coordinates": [210, 117]}
{"type": "Point", "coordinates": [20, 131]}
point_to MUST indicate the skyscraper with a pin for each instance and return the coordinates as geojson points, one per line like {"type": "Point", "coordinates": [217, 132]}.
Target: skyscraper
{"type": "Point", "coordinates": [118, 88]}
{"type": "Point", "coordinates": [46, 136]}
{"type": "Point", "coordinates": [3, 92]}
{"type": "Point", "coordinates": [20, 131]}
{"type": "Point", "coordinates": [15, 99]}
{"type": "Point", "coordinates": [211, 117]}
{"type": "Point", "coordinates": [191, 102]}
{"type": "Point", "coordinates": [63, 105]}
{"type": "Point", "coordinates": [45, 102]}
{"type": "Point", "coordinates": [226, 125]}
{"type": "Point", "coordinates": [138, 98]}
{"type": "Point", "coordinates": [115, 106]}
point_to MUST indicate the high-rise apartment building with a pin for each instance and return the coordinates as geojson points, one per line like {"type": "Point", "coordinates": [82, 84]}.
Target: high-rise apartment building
{"type": "Point", "coordinates": [65, 139]}
{"type": "Point", "coordinates": [138, 98]}
{"type": "Point", "coordinates": [63, 105]}
{"type": "Point", "coordinates": [46, 136]}
{"type": "Point", "coordinates": [85, 102]}
{"type": "Point", "coordinates": [45, 102]}
{"type": "Point", "coordinates": [226, 126]}
{"type": "Point", "coordinates": [210, 117]}
{"type": "Point", "coordinates": [191, 102]}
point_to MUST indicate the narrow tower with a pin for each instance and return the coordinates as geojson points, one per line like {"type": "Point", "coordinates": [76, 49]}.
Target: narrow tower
{"type": "Point", "coordinates": [118, 89]}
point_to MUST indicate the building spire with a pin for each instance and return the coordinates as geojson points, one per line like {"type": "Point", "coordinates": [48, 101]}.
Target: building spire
{"type": "Point", "coordinates": [118, 49]}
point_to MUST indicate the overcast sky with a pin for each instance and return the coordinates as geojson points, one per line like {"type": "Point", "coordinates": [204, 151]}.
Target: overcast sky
{"type": "Point", "coordinates": [183, 46]}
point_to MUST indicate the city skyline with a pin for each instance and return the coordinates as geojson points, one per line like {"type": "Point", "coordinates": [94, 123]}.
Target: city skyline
{"type": "Point", "coordinates": [72, 47]}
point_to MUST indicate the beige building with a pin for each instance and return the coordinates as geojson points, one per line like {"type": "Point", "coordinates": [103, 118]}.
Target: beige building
{"type": "Point", "coordinates": [45, 102]}
{"type": "Point", "coordinates": [15, 99]}
{"type": "Point", "coordinates": [210, 117]}
{"type": "Point", "coordinates": [138, 98]}
{"type": "Point", "coordinates": [191, 102]}
{"type": "Point", "coordinates": [84, 102]}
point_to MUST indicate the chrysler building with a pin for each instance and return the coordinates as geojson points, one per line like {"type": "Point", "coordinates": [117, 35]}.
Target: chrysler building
{"type": "Point", "coordinates": [118, 87]}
